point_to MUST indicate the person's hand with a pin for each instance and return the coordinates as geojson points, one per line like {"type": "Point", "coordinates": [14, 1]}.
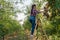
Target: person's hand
{"type": "Point", "coordinates": [42, 11]}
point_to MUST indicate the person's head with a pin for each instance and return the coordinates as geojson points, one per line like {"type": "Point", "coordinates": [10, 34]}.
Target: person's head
{"type": "Point", "coordinates": [33, 6]}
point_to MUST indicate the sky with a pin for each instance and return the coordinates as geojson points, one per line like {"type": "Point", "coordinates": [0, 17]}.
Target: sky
{"type": "Point", "coordinates": [21, 16]}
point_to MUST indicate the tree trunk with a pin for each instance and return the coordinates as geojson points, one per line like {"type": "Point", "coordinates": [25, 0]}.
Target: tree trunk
{"type": "Point", "coordinates": [3, 37]}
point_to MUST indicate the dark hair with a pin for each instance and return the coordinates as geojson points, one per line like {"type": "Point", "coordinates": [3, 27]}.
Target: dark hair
{"type": "Point", "coordinates": [32, 7]}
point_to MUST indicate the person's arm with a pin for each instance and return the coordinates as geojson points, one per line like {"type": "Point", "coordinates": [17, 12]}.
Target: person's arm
{"type": "Point", "coordinates": [42, 11]}
{"type": "Point", "coordinates": [37, 11]}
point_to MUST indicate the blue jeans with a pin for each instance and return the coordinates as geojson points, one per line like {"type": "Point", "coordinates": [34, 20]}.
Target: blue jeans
{"type": "Point", "coordinates": [32, 20]}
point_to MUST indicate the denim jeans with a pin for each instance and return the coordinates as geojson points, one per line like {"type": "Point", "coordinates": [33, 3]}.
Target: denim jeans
{"type": "Point", "coordinates": [32, 20]}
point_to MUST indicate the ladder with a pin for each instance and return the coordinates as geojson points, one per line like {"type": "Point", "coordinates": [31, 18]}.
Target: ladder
{"type": "Point", "coordinates": [42, 31]}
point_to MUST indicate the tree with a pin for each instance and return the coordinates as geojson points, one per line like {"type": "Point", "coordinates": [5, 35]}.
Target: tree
{"type": "Point", "coordinates": [8, 24]}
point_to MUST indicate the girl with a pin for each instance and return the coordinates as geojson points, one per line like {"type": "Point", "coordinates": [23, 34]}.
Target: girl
{"type": "Point", "coordinates": [32, 17]}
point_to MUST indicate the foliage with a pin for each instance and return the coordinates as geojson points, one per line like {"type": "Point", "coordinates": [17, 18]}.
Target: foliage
{"type": "Point", "coordinates": [27, 24]}
{"type": "Point", "coordinates": [8, 25]}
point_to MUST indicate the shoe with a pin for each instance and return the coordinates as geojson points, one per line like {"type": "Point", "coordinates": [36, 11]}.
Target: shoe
{"type": "Point", "coordinates": [31, 37]}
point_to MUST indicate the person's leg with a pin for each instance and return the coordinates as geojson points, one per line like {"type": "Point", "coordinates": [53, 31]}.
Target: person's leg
{"type": "Point", "coordinates": [33, 26]}
{"type": "Point", "coordinates": [30, 19]}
